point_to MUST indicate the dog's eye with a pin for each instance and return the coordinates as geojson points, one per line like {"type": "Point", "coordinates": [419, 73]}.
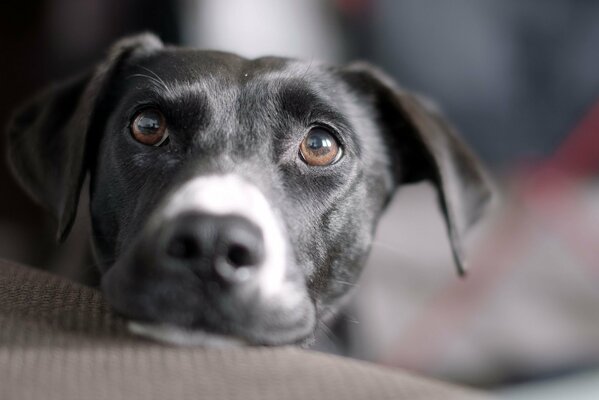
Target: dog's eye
{"type": "Point", "coordinates": [320, 147]}
{"type": "Point", "coordinates": [149, 127]}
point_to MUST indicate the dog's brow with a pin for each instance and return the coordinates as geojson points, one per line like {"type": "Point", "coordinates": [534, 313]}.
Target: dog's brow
{"type": "Point", "coordinates": [304, 102]}
{"type": "Point", "coordinates": [177, 93]}
{"type": "Point", "coordinates": [158, 85]}
{"type": "Point", "coordinates": [299, 100]}
{"type": "Point", "coordinates": [172, 89]}
{"type": "Point", "coordinates": [155, 80]}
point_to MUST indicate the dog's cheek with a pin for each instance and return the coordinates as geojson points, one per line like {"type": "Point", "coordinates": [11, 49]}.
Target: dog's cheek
{"type": "Point", "coordinates": [126, 186]}
{"type": "Point", "coordinates": [344, 244]}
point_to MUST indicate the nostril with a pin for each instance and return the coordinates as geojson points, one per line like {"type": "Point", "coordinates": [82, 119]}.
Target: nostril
{"type": "Point", "coordinates": [183, 247]}
{"type": "Point", "coordinates": [227, 247]}
{"type": "Point", "coordinates": [240, 256]}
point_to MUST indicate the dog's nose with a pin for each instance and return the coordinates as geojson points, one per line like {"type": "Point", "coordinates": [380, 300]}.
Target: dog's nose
{"type": "Point", "coordinates": [226, 245]}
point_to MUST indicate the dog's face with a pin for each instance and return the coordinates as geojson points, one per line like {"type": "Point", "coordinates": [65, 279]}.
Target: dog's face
{"type": "Point", "coordinates": [233, 194]}
{"type": "Point", "coordinates": [234, 199]}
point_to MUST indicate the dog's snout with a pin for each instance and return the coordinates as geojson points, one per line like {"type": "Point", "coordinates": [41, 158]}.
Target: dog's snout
{"type": "Point", "coordinates": [225, 245]}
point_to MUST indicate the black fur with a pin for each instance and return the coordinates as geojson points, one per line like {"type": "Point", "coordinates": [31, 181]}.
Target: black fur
{"type": "Point", "coordinates": [227, 114]}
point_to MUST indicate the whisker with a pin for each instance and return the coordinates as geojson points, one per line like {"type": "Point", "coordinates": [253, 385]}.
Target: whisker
{"type": "Point", "coordinates": [343, 313]}
{"type": "Point", "coordinates": [348, 317]}
{"type": "Point", "coordinates": [327, 331]}
{"type": "Point", "coordinates": [158, 78]}
{"type": "Point", "coordinates": [303, 76]}
{"type": "Point", "coordinates": [344, 282]}
{"type": "Point", "coordinates": [156, 82]}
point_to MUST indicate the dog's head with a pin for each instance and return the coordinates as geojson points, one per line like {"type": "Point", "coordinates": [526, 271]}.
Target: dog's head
{"type": "Point", "coordinates": [230, 197]}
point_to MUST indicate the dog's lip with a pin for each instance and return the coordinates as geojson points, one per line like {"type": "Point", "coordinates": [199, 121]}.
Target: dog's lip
{"type": "Point", "coordinates": [178, 336]}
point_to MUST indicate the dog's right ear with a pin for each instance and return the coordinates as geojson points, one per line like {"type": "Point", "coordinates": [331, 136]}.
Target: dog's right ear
{"type": "Point", "coordinates": [423, 146]}
{"type": "Point", "coordinates": [49, 138]}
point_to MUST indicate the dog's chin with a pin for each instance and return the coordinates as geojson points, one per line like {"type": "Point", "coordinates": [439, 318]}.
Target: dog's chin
{"type": "Point", "coordinates": [174, 335]}
{"type": "Point", "coordinates": [179, 336]}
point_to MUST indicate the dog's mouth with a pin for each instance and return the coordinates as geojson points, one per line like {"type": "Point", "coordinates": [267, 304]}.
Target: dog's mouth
{"type": "Point", "coordinates": [173, 306]}
{"type": "Point", "coordinates": [173, 303]}
{"type": "Point", "coordinates": [184, 337]}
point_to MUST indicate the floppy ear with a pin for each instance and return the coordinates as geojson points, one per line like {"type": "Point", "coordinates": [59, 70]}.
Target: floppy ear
{"type": "Point", "coordinates": [49, 138]}
{"type": "Point", "coordinates": [425, 147]}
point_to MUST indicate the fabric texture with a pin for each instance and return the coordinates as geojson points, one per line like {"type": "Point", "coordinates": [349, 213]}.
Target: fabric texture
{"type": "Point", "coordinates": [60, 340]}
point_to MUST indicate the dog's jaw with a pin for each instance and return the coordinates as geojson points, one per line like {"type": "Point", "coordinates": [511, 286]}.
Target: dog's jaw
{"type": "Point", "coordinates": [183, 337]}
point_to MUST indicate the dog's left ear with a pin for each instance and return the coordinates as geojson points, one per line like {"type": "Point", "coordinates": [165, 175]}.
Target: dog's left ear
{"type": "Point", "coordinates": [425, 147]}
{"type": "Point", "coordinates": [49, 138]}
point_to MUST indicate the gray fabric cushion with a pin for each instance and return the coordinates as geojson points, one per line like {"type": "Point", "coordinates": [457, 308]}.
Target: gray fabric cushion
{"type": "Point", "coordinates": [59, 340]}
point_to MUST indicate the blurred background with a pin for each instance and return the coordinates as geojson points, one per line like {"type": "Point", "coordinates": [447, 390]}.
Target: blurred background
{"type": "Point", "coordinates": [518, 78]}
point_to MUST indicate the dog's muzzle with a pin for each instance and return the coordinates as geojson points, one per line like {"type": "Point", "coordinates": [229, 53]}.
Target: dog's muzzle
{"type": "Point", "coordinates": [212, 261]}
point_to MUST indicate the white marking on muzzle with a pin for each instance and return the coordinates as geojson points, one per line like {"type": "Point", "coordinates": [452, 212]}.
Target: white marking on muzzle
{"type": "Point", "coordinates": [230, 194]}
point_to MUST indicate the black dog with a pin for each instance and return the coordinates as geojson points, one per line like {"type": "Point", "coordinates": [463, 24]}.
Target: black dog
{"type": "Point", "coordinates": [229, 197]}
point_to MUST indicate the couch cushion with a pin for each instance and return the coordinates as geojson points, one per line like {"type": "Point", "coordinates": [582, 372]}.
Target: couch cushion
{"type": "Point", "coordinates": [60, 340]}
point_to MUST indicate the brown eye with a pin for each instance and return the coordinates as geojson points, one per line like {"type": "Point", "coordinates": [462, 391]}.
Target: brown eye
{"type": "Point", "coordinates": [149, 127]}
{"type": "Point", "coordinates": [320, 148]}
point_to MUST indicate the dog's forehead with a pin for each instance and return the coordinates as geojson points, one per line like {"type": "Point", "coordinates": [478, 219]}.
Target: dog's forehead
{"type": "Point", "coordinates": [174, 65]}
{"type": "Point", "coordinates": [230, 89]}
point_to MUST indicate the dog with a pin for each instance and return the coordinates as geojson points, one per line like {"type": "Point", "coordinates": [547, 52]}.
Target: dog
{"type": "Point", "coordinates": [230, 197]}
